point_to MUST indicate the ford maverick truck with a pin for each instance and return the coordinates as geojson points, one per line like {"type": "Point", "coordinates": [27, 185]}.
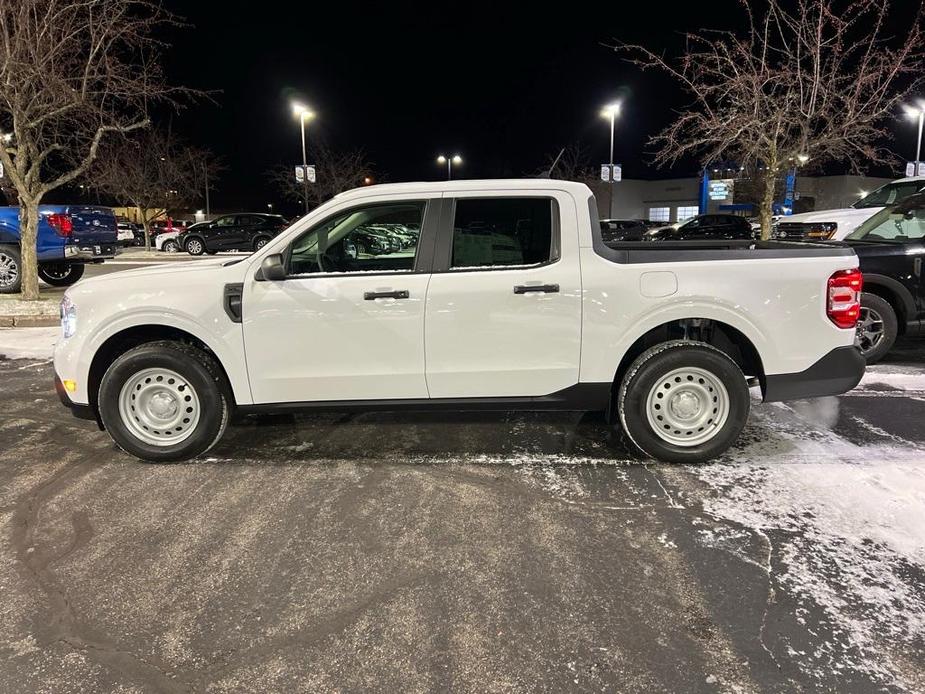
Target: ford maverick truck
{"type": "Point", "coordinates": [483, 295]}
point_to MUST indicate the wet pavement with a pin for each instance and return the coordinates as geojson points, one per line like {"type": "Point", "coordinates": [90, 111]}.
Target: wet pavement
{"type": "Point", "coordinates": [467, 552]}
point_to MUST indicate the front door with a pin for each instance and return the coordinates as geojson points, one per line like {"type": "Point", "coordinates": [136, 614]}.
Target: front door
{"type": "Point", "coordinates": [346, 324]}
{"type": "Point", "coordinates": [504, 317]}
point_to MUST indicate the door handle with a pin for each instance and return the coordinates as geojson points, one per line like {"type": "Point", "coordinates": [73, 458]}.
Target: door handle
{"type": "Point", "coordinates": [544, 288]}
{"type": "Point", "coordinates": [399, 294]}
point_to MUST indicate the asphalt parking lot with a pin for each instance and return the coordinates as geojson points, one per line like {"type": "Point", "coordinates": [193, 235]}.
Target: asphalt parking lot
{"type": "Point", "coordinates": [472, 552]}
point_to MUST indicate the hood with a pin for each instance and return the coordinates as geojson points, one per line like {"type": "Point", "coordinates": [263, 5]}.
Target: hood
{"type": "Point", "coordinates": [172, 268]}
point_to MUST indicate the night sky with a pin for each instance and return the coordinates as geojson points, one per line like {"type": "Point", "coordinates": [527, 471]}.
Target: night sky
{"type": "Point", "coordinates": [503, 85]}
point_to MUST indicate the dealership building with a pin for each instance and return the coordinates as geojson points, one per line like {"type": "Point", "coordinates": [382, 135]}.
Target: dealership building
{"type": "Point", "coordinates": [677, 199]}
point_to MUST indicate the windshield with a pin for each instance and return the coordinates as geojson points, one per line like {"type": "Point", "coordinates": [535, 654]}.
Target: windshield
{"type": "Point", "coordinates": [897, 224]}
{"type": "Point", "coordinates": [889, 194]}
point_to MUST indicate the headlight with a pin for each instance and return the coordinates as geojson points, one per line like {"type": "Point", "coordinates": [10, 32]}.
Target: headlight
{"type": "Point", "coordinates": [68, 317]}
{"type": "Point", "coordinates": [822, 230]}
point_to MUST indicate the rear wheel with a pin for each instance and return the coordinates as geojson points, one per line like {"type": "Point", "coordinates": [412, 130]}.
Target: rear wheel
{"type": "Point", "coordinates": [195, 246]}
{"type": "Point", "coordinates": [877, 327]}
{"type": "Point", "coordinates": [10, 270]}
{"type": "Point", "coordinates": [164, 401]}
{"type": "Point", "coordinates": [61, 274]}
{"type": "Point", "coordinates": [683, 402]}
{"type": "Point", "coordinates": [260, 242]}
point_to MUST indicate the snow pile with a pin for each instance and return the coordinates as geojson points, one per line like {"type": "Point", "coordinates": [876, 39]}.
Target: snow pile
{"type": "Point", "coordinates": [28, 343]}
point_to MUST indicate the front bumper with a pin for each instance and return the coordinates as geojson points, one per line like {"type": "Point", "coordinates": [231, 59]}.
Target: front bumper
{"type": "Point", "coordinates": [78, 410]}
{"type": "Point", "coordinates": [90, 253]}
{"type": "Point", "coordinates": [837, 372]}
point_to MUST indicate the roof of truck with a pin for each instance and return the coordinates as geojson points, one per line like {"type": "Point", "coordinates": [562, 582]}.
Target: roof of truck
{"type": "Point", "coordinates": [466, 185]}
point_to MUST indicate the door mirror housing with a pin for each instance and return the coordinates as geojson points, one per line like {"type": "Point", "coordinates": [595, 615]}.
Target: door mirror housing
{"type": "Point", "coordinates": [271, 269]}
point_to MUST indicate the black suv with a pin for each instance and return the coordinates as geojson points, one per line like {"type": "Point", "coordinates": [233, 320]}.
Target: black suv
{"type": "Point", "coordinates": [726, 227]}
{"type": "Point", "coordinates": [247, 231]}
{"type": "Point", "coordinates": [890, 246]}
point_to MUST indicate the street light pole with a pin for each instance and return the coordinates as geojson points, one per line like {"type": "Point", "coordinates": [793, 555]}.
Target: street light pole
{"type": "Point", "coordinates": [449, 161]}
{"type": "Point", "coordinates": [917, 113]}
{"type": "Point", "coordinates": [304, 114]}
{"type": "Point", "coordinates": [610, 111]}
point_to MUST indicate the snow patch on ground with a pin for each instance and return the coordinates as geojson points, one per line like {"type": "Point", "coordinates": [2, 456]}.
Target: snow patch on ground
{"type": "Point", "coordinates": [28, 343]}
{"type": "Point", "coordinates": [847, 524]}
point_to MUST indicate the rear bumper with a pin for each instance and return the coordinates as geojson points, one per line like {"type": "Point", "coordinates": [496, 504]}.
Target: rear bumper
{"type": "Point", "coordinates": [78, 410]}
{"type": "Point", "coordinates": [90, 253]}
{"type": "Point", "coordinates": [837, 372]}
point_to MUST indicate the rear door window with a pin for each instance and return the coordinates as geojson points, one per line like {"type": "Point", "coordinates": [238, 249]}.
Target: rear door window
{"type": "Point", "coordinates": [504, 232]}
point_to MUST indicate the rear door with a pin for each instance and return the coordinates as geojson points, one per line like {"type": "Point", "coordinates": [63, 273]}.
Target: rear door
{"type": "Point", "coordinates": [503, 314]}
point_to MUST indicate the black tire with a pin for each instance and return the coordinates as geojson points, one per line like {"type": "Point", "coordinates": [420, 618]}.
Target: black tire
{"type": "Point", "coordinates": [199, 371]}
{"type": "Point", "coordinates": [260, 242]}
{"type": "Point", "coordinates": [61, 274]}
{"type": "Point", "coordinates": [644, 379]}
{"type": "Point", "coordinates": [170, 246]}
{"type": "Point", "coordinates": [10, 270]}
{"type": "Point", "coordinates": [195, 246]}
{"type": "Point", "coordinates": [877, 327]}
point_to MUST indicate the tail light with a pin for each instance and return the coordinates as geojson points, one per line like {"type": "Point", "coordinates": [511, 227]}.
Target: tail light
{"type": "Point", "coordinates": [843, 304]}
{"type": "Point", "coordinates": [61, 223]}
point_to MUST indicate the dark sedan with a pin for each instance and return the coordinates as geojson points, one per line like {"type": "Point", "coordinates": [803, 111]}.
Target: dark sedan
{"type": "Point", "coordinates": [248, 231]}
{"type": "Point", "coordinates": [613, 230]}
{"type": "Point", "coordinates": [890, 246]}
{"type": "Point", "coordinates": [706, 227]}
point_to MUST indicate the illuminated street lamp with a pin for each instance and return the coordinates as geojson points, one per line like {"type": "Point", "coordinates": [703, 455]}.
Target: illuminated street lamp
{"type": "Point", "coordinates": [917, 113]}
{"type": "Point", "coordinates": [304, 114]}
{"type": "Point", "coordinates": [449, 161]}
{"type": "Point", "coordinates": [610, 112]}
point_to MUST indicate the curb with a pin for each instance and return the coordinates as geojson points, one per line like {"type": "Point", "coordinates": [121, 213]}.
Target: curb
{"type": "Point", "coordinates": [29, 321]}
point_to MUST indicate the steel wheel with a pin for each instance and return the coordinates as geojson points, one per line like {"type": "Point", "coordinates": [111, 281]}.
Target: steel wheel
{"type": "Point", "coordinates": [687, 406]}
{"type": "Point", "coordinates": [869, 333]}
{"type": "Point", "coordinates": [159, 407]}
{"type": "Point", "coordinates": [9, 271]}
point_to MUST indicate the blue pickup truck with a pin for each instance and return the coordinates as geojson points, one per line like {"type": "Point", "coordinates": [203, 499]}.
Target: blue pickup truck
{"type": "Point", "coordinates": [69, 236]}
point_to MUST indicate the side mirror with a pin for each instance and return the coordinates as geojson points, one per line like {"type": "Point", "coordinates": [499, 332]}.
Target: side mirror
{"type": "Point", "coordinates": [271, 269]}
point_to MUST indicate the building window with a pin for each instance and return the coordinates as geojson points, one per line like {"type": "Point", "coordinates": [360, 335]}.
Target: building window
{"type": "Point", "coordinates": [660, 214]}
{"type": "Point", "coordinates": [685, 213]}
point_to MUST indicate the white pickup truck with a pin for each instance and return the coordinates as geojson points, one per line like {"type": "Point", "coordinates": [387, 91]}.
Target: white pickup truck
{"type": "Point", "coordinates": [462, 295]}
{"type": "Point", "coordinates": [838, 224]}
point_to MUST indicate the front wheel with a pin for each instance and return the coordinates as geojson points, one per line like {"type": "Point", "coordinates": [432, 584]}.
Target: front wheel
{"type": "Point", "coordinates": [61, 274]}
{"type": "Point", "coordinates": [195, 247]}
{"type": "Point", "coordinates": [164, 401]}
{"type": "Point", "coordinates": [683, 402]}
{"type": "Point", "coordinates": [170, 246]}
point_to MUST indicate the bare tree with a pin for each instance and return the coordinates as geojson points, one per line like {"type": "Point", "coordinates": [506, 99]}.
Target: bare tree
{"type": "Point", "coordinates": [335, 172]}
{"type": "Point", "coordinates": [153, 171]}
{"type": "Point", "coordinates": [70, 74]}
{"type": "Point", "coordinates": [816, 83]}
{"type": "Point", "coordinates": [571, 163]}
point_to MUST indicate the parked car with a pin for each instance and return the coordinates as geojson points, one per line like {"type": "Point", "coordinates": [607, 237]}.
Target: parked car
{"type": "Point", "coordinates": [69, 236]}
{"type": "Point", "coordinates": [510, 300]}
{"type": "Point", "coordinates": [232, 232]}
{"type": "Point", "coordinates": [890, 246]}
{"type": "Point", "coordinates": [167, 242]}
{"type": "Point", "coordinates": [839, 224]}
{"type": "Point", "coordinates": [615, 230]}
{"type": "Point", "coordinates": [127, 232]}
{"type": "Point", "coordinates": [166, 225]}
{"type": "Point", "coordinates": [706, 227]}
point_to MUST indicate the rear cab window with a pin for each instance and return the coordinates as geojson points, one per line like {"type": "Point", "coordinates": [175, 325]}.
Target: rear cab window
{"type": "Point", "coordinates": [504, 232]}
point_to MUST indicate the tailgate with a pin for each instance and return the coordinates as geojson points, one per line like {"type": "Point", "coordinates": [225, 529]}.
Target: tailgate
{"type": "Point", "coordinates": [92, 225]}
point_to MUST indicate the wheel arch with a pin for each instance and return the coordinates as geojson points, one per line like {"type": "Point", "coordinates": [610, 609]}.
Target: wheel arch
{"type": "Point", "coordinates": [130, 337]}
{"type": "Point", "coordinates": [721, 335]}
{"type": "Point", "coordinates": [894, 293]}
